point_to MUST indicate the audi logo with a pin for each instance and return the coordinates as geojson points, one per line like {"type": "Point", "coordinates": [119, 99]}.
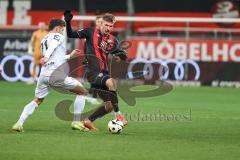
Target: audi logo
{"type": "Point", "coordinates": [163, 71]}
{"type": "Point", "coordinates": [148, 71]}
{"type": "Point", "coordinates": [18, 68]}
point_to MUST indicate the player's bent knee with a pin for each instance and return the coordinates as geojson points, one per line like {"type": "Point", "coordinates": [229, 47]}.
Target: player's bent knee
{"type": "Point", "coordinates": [38, 100]}
{"type": "Point", "coordinates": [108, 106]}
{"type": "Point", "coordinates": [79, 90]}
{"type": "Point", "coordinates": [110, 83]}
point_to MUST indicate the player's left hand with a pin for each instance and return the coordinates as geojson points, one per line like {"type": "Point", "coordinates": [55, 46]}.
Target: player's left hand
{"type": "Point", "coordinates": [122, 56]}
{"type": "Point", "coordinates": [75, 53]}
{"type": "Point", "coordinates": [68, 16]}
{"type": "Point", "coordinates": [43, 61]}
{"type": "Point", "coordinates": [117, 58]}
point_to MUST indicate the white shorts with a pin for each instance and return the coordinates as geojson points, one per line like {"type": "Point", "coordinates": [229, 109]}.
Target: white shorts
{"type": "Point", "coordinates": [43, 86]}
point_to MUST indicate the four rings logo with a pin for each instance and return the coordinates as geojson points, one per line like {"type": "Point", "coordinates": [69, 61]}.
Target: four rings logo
{"type": "Point", "coordinates": [18, 68]}
{"type": "Point", "coordinates": [148, 70]}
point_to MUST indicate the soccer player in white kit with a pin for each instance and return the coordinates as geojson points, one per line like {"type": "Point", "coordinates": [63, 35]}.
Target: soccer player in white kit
{"type": "Point", "coordinates": [54, 55]}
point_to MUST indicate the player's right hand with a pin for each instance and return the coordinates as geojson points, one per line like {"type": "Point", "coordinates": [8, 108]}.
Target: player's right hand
{"type": "Point", "coordinates": [117, 58]}
{"type": "Point", "coordinates": [43, 61]}
{"type": "Point", "coordinates": [75, 53]}
{"type": "Point", "coordinates": [68, 16]}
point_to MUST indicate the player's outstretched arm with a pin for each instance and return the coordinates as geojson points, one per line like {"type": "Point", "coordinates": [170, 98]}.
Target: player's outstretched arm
{"type": "Point", "coordinates": [74, 53]}
{"type": "Point", "coordinates": [82, 33]}
{"type": "Point", "coordinates": [120, 53]}
{"type": "Point", "coordinates": [68, 17]}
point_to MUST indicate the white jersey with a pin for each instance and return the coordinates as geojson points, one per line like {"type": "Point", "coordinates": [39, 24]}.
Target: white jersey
{"type": "Point", "coordinates": [53, 48]}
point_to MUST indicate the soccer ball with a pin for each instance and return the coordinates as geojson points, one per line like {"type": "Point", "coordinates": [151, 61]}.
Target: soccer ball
{"type": "Point", "coordinates": [115, 126]}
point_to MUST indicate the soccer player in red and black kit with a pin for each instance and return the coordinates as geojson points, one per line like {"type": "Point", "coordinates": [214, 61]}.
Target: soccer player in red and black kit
{"type": "Point", "coordinates": [100, 43]}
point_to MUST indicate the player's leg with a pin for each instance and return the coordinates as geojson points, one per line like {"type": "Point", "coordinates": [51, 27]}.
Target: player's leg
{"type": "Point", "coordinates": [41, 92]}
{"type": "Point", "coordinates": [27, 111]}
{"type": "Point", "coordinates": [93, 91]}
{"type": "Point", "coordinates": [100, 112]}
{"type": "Point", "coordinates": [106, 96]}
{"type": "Point", "coordinates": [112, 87]}
{"type": "Point", "coordinates": [79, 105]}
{"type": "Point", "coordinates": [74, 86]}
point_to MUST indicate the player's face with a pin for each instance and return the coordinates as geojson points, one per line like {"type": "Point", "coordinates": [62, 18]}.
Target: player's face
{"type": "Point", "coordinates": [106, 27]}
{"type": "Point", "coordinates": [60, 29]}
{"type": "Point", "coordinates": [98, 22]}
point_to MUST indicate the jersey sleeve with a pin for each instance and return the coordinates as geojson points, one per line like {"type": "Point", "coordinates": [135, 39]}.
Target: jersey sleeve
{"type": "Point", "coordinates": [83, 33]}
{"type": "Point", "coordinates": [70, 32]}
{"type": "Point", "coordinates": [53, 42]}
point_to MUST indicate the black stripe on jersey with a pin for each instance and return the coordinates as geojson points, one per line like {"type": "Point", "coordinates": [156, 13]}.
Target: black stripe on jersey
{"type": "Point", "coordinates": [101, 52]}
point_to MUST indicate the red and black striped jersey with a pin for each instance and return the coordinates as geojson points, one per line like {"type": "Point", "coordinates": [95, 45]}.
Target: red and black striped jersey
{"type": "Point", "coordinates": [98, 46]}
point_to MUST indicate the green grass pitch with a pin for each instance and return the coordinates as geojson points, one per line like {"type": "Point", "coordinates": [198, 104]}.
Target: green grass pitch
{"type": "Point", "coordinates": [210, 131]}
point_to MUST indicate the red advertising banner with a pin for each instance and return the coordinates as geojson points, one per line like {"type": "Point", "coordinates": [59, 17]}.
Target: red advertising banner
{"type": "Point", "coordinates": [180, 48]}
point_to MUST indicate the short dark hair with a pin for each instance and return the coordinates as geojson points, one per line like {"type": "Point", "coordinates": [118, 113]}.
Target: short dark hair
{"type": "Point", "coordinates": [55, 22]}
{"type": "Point", "coordinates": [109, 18]}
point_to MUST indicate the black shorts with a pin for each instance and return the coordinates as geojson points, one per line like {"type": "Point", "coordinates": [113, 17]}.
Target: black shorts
{"type": "Point", "coordinates": [100, 81]}
{"type": "Point", "coordinates": [98, 86]}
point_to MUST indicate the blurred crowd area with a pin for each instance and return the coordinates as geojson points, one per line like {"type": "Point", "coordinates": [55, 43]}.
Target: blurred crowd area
{"type": "Point", "coordinates": [21, 17]}
{"type": "Point", "coordinates": [213, 46]}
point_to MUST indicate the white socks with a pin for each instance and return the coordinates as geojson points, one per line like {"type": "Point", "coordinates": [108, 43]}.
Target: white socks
{"type": "Point", "coordinates": [92, 100]}
{"type": "Point", "coordinates": [27, 111]}
{"type": "Point", "coordinates": [79, 104]}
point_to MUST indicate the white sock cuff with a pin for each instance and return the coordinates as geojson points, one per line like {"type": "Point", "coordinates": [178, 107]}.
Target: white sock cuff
{"type": "Point", "coordinates": [81, 96]}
